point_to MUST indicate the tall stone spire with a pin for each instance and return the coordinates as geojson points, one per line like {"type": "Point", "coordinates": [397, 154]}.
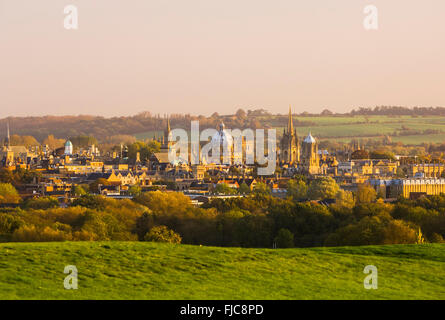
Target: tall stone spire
{"type": "Point", "coordinates": [167, 130]}
{"type": "Point", "coordinates": [165, 143]}
{"type": "Point", "coordinates": [290, 125]}
{"type": "Point", "coordinates": [8, 138]}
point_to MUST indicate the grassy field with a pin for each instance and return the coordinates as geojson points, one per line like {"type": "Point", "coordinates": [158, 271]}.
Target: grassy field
{"type": "Point", "coordinates": [347, 128]}
{"type": "Point", "coordinates": [136, 270]}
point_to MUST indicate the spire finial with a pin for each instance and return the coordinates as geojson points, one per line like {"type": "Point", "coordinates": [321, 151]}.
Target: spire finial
{"type": "Point", "coordinates": [290, 125]}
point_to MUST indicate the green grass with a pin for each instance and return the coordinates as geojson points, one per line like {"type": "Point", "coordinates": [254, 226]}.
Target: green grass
{"type": "Point", "coordinates": [346, 128]}
{"type": "Point", "coordinates": [419, 139]}
{"type": "Point", "coordinates": [136, 270]}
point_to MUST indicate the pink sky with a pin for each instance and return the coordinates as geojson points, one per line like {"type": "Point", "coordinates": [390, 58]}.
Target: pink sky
{"type": "Point", "coordinates": [202, 56]}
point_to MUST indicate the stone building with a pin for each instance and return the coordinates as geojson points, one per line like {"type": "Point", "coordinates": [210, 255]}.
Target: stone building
{"type": "Point", "coordinates": [310, 161]}
{"type": "Point", "coordinates": [289, 144]}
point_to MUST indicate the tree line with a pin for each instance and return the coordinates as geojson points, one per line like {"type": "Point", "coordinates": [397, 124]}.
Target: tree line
{"type": "Point", "coordinates": [62, 127]}
{"type": "Point", "coordinates": [255, 220]}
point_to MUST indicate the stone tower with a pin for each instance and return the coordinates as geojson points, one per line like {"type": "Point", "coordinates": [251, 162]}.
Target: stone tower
{"type": "Point", "coordinates": [165, 144]}
{"type": "Point", "coordinates": [310, 161]}
{"type": "Point", "coordinates": [289, 145]}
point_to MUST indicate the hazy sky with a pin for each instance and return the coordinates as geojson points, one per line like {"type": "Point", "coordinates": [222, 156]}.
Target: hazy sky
{"type": "Point", "coordinates": [202, 56]}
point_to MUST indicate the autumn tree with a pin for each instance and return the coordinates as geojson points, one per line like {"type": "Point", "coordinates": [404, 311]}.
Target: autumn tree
{"type": "Point", "coordinates": [162, 234]}
{"type": "Point", "coordinates": [261, 188]}
{"type": "Point", "coordinates": [366, 194]}
{"type": "Point", "coordinates": [297, 189]}
{"type": "Point", "coordinates": [323, 188]}
{"type": "Point", "coordinates": [8, 194]}
{"type": "Point", "coordinates": [53, 143]}
{"type": "Point", "coordinates": [223, 188]}
{"type": "Point", "coordinates": [145, 149]}
{"type": "Point", "coordinates": [243, 188]}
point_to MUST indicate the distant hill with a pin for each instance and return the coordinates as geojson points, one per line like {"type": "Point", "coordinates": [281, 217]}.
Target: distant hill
{"type": "Point", "coordinates": [145, 124]}
{"type": "Point", "coordinates": [63, 127]}
{"type": "Point", "coordinates": [141, 270]}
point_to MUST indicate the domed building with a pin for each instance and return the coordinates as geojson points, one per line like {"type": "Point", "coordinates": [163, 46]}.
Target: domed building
{"type": "Point", "coordinates": [68, 148]}
{"type": "Point", "coordinates": [222, 140]}
{"type": "Point", "coordinates": [310, 161]}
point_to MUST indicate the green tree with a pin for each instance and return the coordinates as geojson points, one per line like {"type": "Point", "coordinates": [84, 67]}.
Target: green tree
{"type": "Point", "coordinates": [162, 234]}
{"type": "Point", "coordinates": [323, 188]}
{"type": "Point", "coordinates": [223, 188]}
{"type": "Point", "coordinates": [81, 190]}
{"type": "Point", "coordinates": [399, 232]}
{"type": "Point", "coordinates": [243, 188]}
{"type": "Point", "coordinates": [345, 199]}
{"type": "Point", "coordinates": [261, 188]}
{"type": "Point", "coordinates": [166, 203]}
{"type": "Point", "coordinates": [6, 176]}
{"type": "Point", "coordinates": [145, 149]}
{"type": "Point", "coordinates": [297, 189]}
{"type": "Point", "coordinates": [366, 193]}
{"type": "Point", "coordinates": [41, 203]}
{"type": "Point", "coordinates": [8, 194]}
{"type": "Point", "coordinates": [135, 190]}
{"type": "Point", "coordinates": [284, 239]}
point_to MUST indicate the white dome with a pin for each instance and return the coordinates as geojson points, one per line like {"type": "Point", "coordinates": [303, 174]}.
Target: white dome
{"type": "Point", "coordinates": [68, 148]}
{"type": "Point", "coordinates": [309, 139]}
{"type": "Point", "coordinates": [222, 137]}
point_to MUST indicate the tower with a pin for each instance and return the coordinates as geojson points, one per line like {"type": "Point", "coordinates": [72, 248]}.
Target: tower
{"type": "Point", "coordinates": [165, 143]}
{"type": "Point", "coordinates": [289, 144]}
{"type": "Point", "coordinates": [8, 138]}
{"type": "Point", "coordinates": [6, 154]}
{"type": "Point", "coordinates": [309, 159]}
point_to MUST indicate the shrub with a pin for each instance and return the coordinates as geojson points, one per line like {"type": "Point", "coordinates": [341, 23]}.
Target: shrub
{"type": "Point", "coordinates": [91, 202]}
{"type": "Point", "coordinates": [166, 203]}
{"type": "Point", "coordinates": [284, 239]}
{"type": "Point", "coordinates": [9, 223]}
{"type": "Point", "coordinates": [398, 232]}
{"type": "Point", "coordinates": [162, 234]}
{"type": "Point", "coordinates": [8, 194]}
{"type": "Point", "coordinates": [31, 233]}
{"type": "Point", "coordinates": [436, 238]}
{"type": "Point", "coordinates": [41, 203]}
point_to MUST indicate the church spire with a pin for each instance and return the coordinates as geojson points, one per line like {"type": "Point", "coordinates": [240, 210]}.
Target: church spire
{"type": "Point", "coordinates": [8, 138]}
{"type": "Point", "coordinates": [165, 138]}
{"type": "Point", "coordinates": [290, 125]}
{"type": "Point", "coordinates": [168, 125]}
